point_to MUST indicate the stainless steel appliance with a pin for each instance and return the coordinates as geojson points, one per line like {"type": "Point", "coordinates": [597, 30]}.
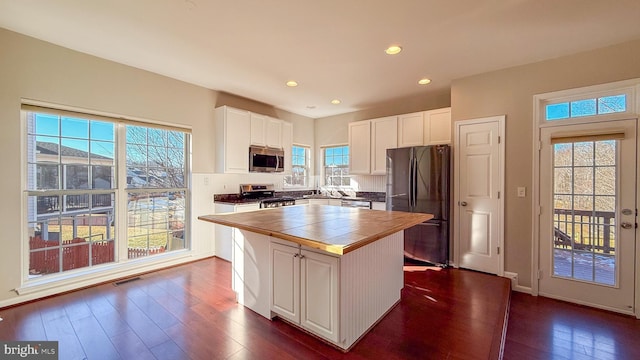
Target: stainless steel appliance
{"type": "Point", "coordinates": [355, 202]}
{"type": "Point", "coordinates": [418, 181]}
{"type": "Point", "coordinates": [265, 193]}
{"type": "Point", "coordinates": [266, 159]}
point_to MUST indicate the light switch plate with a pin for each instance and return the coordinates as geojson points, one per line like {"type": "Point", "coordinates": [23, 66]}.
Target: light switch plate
{"type": "Point", "coordinates": [522, 191]}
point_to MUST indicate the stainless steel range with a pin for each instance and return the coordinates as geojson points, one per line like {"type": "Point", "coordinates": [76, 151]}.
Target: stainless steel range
{"type": "Point", "coordinates": [266, 194]}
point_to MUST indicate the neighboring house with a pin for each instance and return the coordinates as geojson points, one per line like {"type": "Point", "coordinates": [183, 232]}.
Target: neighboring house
{"type": "Point", "coordinates": [77, 161]}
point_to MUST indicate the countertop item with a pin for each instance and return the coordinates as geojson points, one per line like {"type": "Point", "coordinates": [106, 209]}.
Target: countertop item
{"type": "Point", "coordinates": [333, 229]}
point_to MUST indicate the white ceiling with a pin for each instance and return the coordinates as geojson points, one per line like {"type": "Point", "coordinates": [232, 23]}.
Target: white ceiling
{"type": "Point", "coordinates": [332, 48]}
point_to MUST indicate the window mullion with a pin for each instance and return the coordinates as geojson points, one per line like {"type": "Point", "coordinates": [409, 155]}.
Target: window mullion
{"type": "Point", "coordinates": [121, 237]}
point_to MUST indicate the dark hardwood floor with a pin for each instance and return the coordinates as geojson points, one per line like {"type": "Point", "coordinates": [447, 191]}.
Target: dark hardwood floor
{"type": "Point", "coordinates": [543, 328]}
{"type": "Point", "coordinates": [189, 312]}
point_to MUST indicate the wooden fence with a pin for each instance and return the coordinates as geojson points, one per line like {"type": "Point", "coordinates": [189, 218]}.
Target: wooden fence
{"type": "Point", "coordinates": [75, 256]}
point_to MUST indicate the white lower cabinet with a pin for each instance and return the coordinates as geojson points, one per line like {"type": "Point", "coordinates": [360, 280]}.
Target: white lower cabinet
{"type": "Point", "coordinates": [378, 205]}
{"type": "Point", "coordinates": [337, 298]}
{"type": "Point", "coordinates": [305, 289]}
{"type": "Point", "coordinates": [224, 235]}
{"type": "Point", "coordinates": [285, 282]}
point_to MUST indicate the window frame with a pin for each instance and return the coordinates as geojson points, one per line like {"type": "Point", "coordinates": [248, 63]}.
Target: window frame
{"type": "Point", "coordinates": [541, 102]}
{"type": "Point", "coordinates": [630, 87]}
{"type": "Point", "coordinates": [118, 189]}
{"type": "Point", "coordinates": [306, 167]}
{"type": "Point", "coordinates": [323, 152]}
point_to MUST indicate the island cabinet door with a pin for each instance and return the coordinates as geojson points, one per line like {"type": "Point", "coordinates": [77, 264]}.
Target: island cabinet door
{"type": "Point", "coordinates": [285, 282]}
{"type": "Point", "coordinates": [319, 294]}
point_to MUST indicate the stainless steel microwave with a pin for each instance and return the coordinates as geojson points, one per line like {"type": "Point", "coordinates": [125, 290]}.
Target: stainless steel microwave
{"type": "Point", "coordinates": [266, 159]}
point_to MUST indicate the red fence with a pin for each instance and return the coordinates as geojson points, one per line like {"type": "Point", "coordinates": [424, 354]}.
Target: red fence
{"type": "Point", "coordinates": [75, 256]}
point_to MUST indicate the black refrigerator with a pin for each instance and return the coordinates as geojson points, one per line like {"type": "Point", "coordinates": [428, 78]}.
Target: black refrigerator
{"type": "Point", "coordinates": [418, 181]}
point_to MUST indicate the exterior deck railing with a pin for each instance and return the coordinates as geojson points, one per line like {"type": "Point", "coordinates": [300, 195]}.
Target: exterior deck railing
{"type": "Point", "coordinates": [47, 204]}
{"type": "Point", "coordinates": [585, 230]}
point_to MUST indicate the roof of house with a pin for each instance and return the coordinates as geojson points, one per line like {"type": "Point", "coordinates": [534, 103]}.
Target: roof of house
{"type": "Point", "coordinates": [48, 148]}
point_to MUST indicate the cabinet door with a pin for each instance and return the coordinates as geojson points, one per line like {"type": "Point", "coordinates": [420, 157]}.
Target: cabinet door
{"type": "Point", "coordinates": [247, 207]}
{"type": "Point", "coordinates": [437, 127]}
{"type": "Point", "coordinates": [287, 145]}
{"type": "Point", "coordinates": [319, 296]}
{"type": "Point", "coordinates": [378, 205]}
{"type": "Point", "coordinates": [223, 234]}
{"type": "Point", "coordinates": [410, 129]}
{"type": "Point", "coordinates": [384, 135]}
{"type": "Point", "coordinates": [258, 129]}
{"type": "Point", "coordinates": [285, 282]}
{"type": "Point", "coordinates": [236, 144]}
{"type": "Point", "coordinates": [274, 133]}
{"type": "Point", "coordinates": [360, 147]}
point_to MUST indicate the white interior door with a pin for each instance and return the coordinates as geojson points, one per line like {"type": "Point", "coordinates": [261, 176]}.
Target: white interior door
{"type": "Point", "coordinates": [479, 182]}
{"type": "Point", "coordinates": [588, 214]}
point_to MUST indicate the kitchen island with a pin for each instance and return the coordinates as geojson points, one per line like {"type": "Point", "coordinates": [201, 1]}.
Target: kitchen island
{"type": "Point", "coordinates": [332, 271]}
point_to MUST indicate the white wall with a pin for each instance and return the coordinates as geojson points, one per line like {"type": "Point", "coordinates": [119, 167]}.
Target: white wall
{"type": "Point", "coordinates": [510, 92]}
{"type": "Point", "coordinates": [36, 70]}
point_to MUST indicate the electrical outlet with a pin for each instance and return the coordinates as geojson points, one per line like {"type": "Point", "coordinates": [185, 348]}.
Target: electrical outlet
{"type": "Point", "coordinates": [206, 181]}
{"type": "Point", "coordinates": [522, 191]}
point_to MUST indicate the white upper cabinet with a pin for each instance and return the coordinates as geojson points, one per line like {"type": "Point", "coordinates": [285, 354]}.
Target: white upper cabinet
{"type": "Point", "coordinates": [360, 147]}
{"type": "Point", "coordinates": [258, 129]}
{"type": "Point", "coordinates": [410, 129]}
{"type": "Point", "coordinates": [287, 145]}
{"type": "Point", "coordinates": [237, 129]}
{"type": "Point", "coordinates": [274, 133]}
{"type": "Point", "coordinates": [437, 126]}
{"type": "Point", "coordinates": [368, 144]}
{"type": "Point", "coordinates": [370, 139]}
{"type": "Point", "coordinates": [232, 130]}
{"type": "Point", "coordinates": [384, 135]}
{"type": "Point", "coordinates": [266, 131]}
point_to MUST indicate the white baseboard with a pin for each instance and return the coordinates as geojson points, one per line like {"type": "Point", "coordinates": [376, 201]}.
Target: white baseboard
{"type": "Point", "coordinates": [514, 283]}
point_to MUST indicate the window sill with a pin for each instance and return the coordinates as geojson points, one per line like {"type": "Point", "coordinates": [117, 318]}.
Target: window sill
{"type": "Point", "coordinates": [71, 280]}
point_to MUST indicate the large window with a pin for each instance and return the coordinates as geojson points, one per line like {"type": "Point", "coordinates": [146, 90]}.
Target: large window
{"type": "Point", "coordinates": [73, 190]}
{"type": "Point", "coordinates": [300, 160]}
{"type": "Point", "coordinates": [156, 172]}
{"type": "Point", "coordinates": [335, 160]}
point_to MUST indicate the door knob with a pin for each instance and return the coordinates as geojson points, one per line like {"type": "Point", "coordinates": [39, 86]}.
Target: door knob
{"type": "Point", "coordinates": [463, 203]}
{"type": "Point", "coordinates": [626, 225]}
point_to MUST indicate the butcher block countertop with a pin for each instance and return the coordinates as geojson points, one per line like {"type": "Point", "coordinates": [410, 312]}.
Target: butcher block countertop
{"type": "Point", "coordinates": [334, 229]}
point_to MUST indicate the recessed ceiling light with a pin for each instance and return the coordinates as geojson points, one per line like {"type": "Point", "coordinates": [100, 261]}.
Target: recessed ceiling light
{"type": "Point", "coordinates": [292, 83]}
{"type": "Point", "coordinates": [335, 101]}
{"type": "Point", "coordinates": [393, 49]}
{"type": "Point", "coordinates": [424, 81]}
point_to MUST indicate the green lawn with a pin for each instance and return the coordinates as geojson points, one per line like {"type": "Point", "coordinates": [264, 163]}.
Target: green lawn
{"type": "Point", "coordinates": [137, 236]}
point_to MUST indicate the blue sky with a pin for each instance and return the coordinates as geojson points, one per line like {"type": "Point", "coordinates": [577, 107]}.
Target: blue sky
{"type": "Point", "coordinates": [74, 133]}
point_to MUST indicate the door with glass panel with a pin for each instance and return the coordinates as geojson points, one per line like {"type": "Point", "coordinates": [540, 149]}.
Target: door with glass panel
{"type": "Point", "coordinates": [588, 213]}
